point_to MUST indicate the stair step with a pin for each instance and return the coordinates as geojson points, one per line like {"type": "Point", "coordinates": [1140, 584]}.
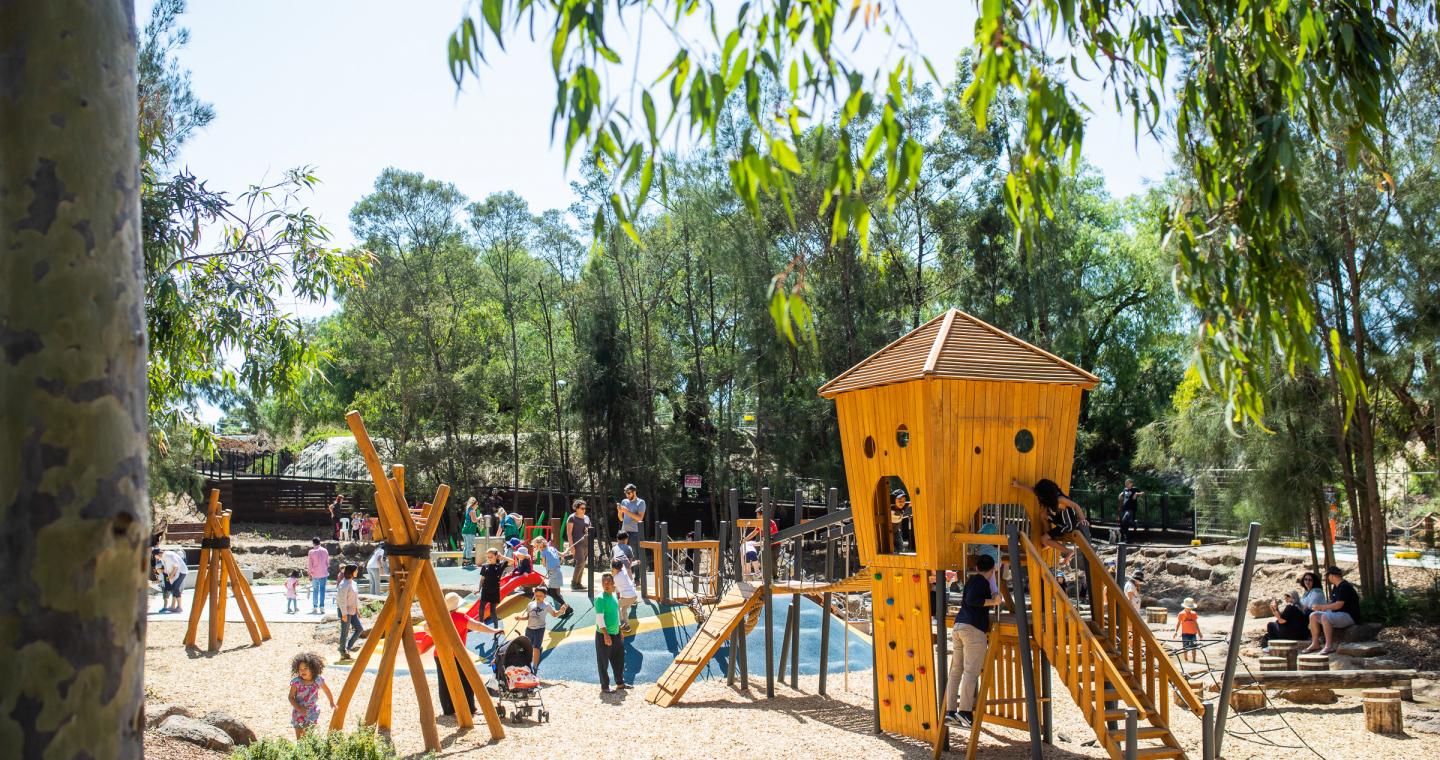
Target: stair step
{"type": "Point", "coordinates": [1158, 752]}
{"type": "Point", "coordinates": [1143, 732]}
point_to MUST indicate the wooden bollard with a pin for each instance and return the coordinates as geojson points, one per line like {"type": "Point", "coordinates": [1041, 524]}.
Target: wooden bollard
{"type": "Point", "coordinates": [1271, 664]}
{"type": "Point", "coordinates": [1382, 711]}
{"type": "Point", "coordinates": [1313, 662]}
{"type": "Point", "coordinates": [1246, 700]}
{"type": "Point", "coordinates": [1158, 615]}
{"type": "Point", "coordinates": [1286, 648]}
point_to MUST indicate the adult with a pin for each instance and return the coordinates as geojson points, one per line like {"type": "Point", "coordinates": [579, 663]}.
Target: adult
{"type": "Point", "coordinates": [577, 540]}
{"type": "Point", "coordinates": [318, 565]}
{"type": "Point", "coordinates": [1289, 622]}
{"type": "Point", "coordinates": [1342, 611]}
{"type": "Point", "coordinates": [470, 529]}
{"type": "Point", "coordinates": [1065, 514]}
{"type": "Point", "coordinates": [335, 508]}
{"type": "Point", "coordinates": [374, 567]}
{"type": "Point", "coordinates": [1311, 592]}
{"type": "Point", "coordinates": [902, 525]}
{"type": "Point", "coordinates": [631, 511]}
{"type": "Point", "coordinates": [511, 526]}
{"type": "Point", "coordinates": [347, 608]}
{"type": "Point", "coordinates": [171, 565]}
{"type": "Point", "coordinates": [968, 642]}
{"type": "Point", "coordinates": [464, 624]}
{"type": "Point", "coordinates": [609, 644]}
{"type": "Point", "coordinates": [1129, 509]}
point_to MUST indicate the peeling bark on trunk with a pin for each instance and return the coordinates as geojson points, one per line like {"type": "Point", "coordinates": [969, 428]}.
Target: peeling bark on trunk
{"type": "Point", "coordinates": [72, 384]}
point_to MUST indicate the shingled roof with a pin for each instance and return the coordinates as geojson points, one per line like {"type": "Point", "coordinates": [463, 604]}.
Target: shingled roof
{"type": "Point", "coordinates": [958, 346]}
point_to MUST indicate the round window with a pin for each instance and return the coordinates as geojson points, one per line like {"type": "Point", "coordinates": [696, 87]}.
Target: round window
{"type": "Point", "coordinates": [1024, 441]}
{"type": "Point", "coordinates": [869, 447]}
{"type": "Point", "coordinates": [902, 436]}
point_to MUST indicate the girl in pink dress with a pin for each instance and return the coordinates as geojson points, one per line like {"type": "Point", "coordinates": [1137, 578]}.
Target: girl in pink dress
{"type": "Point", "coordinates": [305, 687]}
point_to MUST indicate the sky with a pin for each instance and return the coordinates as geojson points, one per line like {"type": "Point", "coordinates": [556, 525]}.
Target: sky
{"type": "Point", "coordinates": [354, 87]}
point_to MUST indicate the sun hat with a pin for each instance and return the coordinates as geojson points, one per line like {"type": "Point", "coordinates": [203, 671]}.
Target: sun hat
{"type": "Point", "coordinates": [452, 601]}
{"type": "Point", "coordinates": [514, 542]}
{"type": "Point", "coordinates": [521, 551]}
{"type": "Point", "coordinates": [1189, 603]}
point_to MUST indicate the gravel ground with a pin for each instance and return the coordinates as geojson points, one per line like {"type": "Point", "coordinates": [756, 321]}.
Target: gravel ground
{"type": "Point", "coordinates": [712, 721]}
{"type": "Point", "coordinates": [164, 748]}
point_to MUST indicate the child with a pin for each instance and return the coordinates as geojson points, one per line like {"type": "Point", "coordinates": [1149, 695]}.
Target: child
{"type": "Point", "coordinates": [752, 559]}
{"type": "Point", "coordinates": [1187, 624]}
{"type": "Point", "coordinates": [625, 588]}
{"type": "Point", "coordinates": [292, 593]}
{"type": "Point", "coordinates": [536, 613]}
{"type": "Point", "coordinates": [523, 565]}
{"type": "Point", "coordinates": [1065, 514]}
{"type": "Point", "coordinates": [305, 687]}
{"type": "Point", "coordinates": [550, 557]}
{"type": "Point", "coordinates": [347, 605]}
{"type": "Point", "coordinates": [490, 575]}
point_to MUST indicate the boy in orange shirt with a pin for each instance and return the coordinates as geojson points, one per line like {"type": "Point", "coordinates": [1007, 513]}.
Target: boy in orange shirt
{"type": "Point", "coordinates": [1187, 624]}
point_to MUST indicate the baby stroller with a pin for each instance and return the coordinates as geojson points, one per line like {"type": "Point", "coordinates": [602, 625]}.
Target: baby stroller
{"type": "Point", "coordinates": [517, 685]}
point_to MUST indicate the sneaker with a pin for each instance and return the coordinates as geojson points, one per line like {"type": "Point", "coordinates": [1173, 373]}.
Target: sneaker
{"type": "Point", "coordinates": [967, 718]}
{"type": "Point", "coordinates": [604, 690]}
{"type": "Point", "coordinates": [952, 718]}
{"type": "Point", "coordinates": [620, 686]}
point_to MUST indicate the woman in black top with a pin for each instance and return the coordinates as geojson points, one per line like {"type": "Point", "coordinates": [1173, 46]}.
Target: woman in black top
{"type": "Point", "coordinates": [1066, 515]}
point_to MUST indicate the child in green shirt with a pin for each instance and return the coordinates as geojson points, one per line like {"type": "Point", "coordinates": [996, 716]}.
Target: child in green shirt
{"type": "Point", "coordinates": [609, 644]}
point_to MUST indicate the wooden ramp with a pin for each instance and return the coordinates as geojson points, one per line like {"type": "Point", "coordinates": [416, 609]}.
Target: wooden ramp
{"type": "Point", "coordinates": [740, 604]}
{"type": "Point", "coordinates": [732, 610]}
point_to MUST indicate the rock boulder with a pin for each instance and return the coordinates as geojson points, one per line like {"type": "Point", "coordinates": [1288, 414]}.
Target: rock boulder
{"type": "Point", "coordinates": [1362, 648]}
{"type": "Point", "coordinates": [156, 714]}
{"type": "Point", "coordinates": [1309, 696]}
{"type": "Point", "coordinates": [195, 732]}
{"type": "Point", "coordinates": [233, 727]}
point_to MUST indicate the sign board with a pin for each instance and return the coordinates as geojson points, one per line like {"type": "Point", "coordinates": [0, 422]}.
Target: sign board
{"type": "Point", "coordinates": [692, 482]}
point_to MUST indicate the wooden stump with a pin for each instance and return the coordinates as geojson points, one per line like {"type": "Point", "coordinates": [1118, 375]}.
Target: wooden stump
{"type": "Point", "coordinates": [1290, 650]}
{"type": "Point", "coordinates": [1246, 700]}
{"type": "Point", "coordinates": [1314, 662]}
{"type": "Point", "coordinates": [1158, 615]}
{"type": "Point", "coordinates": [1270, 664]}
{"type": "Point", "coordinates": [1382, 711]}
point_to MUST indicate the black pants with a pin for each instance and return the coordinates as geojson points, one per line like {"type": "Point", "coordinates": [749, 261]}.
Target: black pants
{"type": "Point", "coordinates": [612, 654]}
{"type": "Point", "coordinates": [1127, 526]}
{"type": "Point", "coordinates": [446, 706]}
{"type": "Point", "coordinates": [554, 593]}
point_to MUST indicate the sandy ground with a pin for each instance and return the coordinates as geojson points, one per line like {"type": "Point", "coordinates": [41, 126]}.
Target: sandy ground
{"type": "Point", "coordinates": [712, 721]}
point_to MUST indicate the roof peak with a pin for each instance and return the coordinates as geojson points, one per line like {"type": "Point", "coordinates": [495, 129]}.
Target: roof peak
{"type": "Point", "coordinates": [960, 346]}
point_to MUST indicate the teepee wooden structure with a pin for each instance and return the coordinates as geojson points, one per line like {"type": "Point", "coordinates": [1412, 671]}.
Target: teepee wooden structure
{"type": "Point", "coordinates": [412, 579]}
{"type": "Point", "coordinates": [217, 571]}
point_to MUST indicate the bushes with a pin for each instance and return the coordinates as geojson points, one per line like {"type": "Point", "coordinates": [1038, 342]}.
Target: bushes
{"type": "Point", "coordinates": [364, 743]}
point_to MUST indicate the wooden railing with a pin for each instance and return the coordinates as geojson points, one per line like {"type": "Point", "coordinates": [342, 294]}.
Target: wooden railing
{"type": "Point", "coordinates": [1153, 672]}
{"type": "Point", "coordinates": [1073, 649]}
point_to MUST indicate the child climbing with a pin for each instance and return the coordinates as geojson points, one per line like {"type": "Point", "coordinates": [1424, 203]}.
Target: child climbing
{"type": "Point", "coordinates": [1065, 514]}
{"type": "Point", "coordinates": [305, 687]}
{"type": "Point", "coordinates": [292, 593]}
{"type": "Point", "coordinates": [752, 559]}
{"type": "Point", "coordinates": [968, 640]}
{"type": "Point", "coordinates": [537, 613]}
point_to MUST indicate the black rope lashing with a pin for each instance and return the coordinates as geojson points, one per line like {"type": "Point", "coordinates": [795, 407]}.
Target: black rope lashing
{"type": "Point", "coordinates": [407, 550]}
{"type": "Point", "coordinates": [215, 543]}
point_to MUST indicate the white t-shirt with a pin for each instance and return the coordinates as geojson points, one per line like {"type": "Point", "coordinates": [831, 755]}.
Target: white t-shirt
{"type": "Point", "coordinates": [377, 558]}
{"type": "Point", "coordinates": [1132, 592]}
{"type": "Point", "coordinates": [624, 587]}
{"type": "Point", "coordinates": [172, 563]}
{"type": "Point", "coordinates": [750, 547]}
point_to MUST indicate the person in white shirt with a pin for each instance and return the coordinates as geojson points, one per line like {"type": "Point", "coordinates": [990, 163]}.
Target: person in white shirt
{"type": "Point", "coordinates": [172, 577]}
{"type": "Point", "coordinates": [625, 590]}
{"type": "Point", "coordinates": [347, 607]}
{"type": "Point", "coordinates": [373, 568]}
{"type": "Point", "coordinates": [1132, 588]}
{"type": "Point", "coordinates": [752, 559]}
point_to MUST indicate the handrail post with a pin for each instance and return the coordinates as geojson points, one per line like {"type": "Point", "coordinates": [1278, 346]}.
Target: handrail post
{"type": "Point", "coordinates": [767, 571]}
{"type": "Point", "coordinates": [1132, 733]}
{"type": "Point", "coordinates": [1207, 732]}
{"type": "Point", "coordinates": [1022, 630]}
{"type": "Point", "coordinates": [662, 568]}
{"type": "Point", "coordinates": [1237, 633]}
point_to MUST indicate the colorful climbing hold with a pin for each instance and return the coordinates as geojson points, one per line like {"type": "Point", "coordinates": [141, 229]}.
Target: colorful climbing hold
{"type": "Point", "coordinates": [907, 708]}
{"type": "Point", "coordinates": [889, 600]}
{"type": "Point", "coordinates": [909, 652]}
{"type": "Point", "coordinates": [921, 670]}
{"type": "Point", "coordinates": [925, 726]}
{"type": "Point", "coordinates": [915, 577]}
{"type": "Point", "coordinates": [892, 645]}
{"type": "Point", "coordinates": [889, 676]}
{"type": "Point", "coordinates": [879, 576]}
{"type": "Point", "coordinates": [910, 677]}
{"type": "Point", "coordinates": [885, 702]}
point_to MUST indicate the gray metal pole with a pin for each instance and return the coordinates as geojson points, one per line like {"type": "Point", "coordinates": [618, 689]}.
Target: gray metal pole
{"type": "Point", "coordinates": [795, 643]}
{"type": "Point", "coordinates": [785, 640]}
{"type": "Point", "coordinates": [1047, 710]}
{"type": "Point", "coordinates": [1132, 733]}
{"type": "Point", "coordinates": [1022, 630]}
{"type": "Point", "coordinates": [831, 500]}
{"type": "Point", "coordinates": [1207, 732]}
{"type": "Point", "coordinates": [662, 569]}
{"type": "Point", "coordinates": [590, 565]}
{"type": "Point", "coordinates": [941, 671]}
{"type": "Point", "coordinates": [1237, 632]}
{"type": "Point", "coordinates": [739, 570]}
{"type": "Point", "coordinates": [767, 572]}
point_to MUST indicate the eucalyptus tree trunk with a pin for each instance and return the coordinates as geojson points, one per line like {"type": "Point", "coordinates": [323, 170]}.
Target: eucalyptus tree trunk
{"type": "Point", "coordinates": [73, 515]}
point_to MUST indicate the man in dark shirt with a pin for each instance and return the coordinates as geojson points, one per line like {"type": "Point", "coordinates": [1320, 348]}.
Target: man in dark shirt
{"type": "Point", "coordinates": [1342, 611]}
{"type": "Point", "coordinates": [1129, 507]}
{"type": "Point", "coordinates": [490, 574]}
{"type": "Point", "coordinates": [968, 642]}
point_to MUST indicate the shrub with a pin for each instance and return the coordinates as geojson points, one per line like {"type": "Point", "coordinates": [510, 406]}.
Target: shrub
{"type": "Point", "coordinates": [364, 743]}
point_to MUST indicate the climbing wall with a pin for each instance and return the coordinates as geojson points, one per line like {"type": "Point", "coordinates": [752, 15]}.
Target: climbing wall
{"type": "Point", "coordinates": [904, 644]}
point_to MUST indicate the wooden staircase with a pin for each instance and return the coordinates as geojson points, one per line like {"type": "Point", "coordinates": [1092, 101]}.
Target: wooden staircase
{"type": "Point", "coordinates": [740, 606]}
{"type": "Point", "coordinates": [1108, 660]}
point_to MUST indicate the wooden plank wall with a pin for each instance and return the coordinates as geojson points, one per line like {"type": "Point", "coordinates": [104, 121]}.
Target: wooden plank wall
{"type": "Point", "coordinates": [904, 641]}
{"type": "Point", "coordinates": [877, 413]}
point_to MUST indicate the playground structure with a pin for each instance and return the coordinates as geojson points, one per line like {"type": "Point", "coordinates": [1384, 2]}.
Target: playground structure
{"type": "Point", "coordinates": [217, 570]}
{"type": "Point", "coordinates": [412, 579]}
{"type": "Point", "coordinates": [951, 414]}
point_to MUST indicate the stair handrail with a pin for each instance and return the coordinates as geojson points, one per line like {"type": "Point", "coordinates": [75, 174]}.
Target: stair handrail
{"type": "Point", "coordinates": [1173, 676]}
{"type": "Point", "coordinates": [1055, 592]}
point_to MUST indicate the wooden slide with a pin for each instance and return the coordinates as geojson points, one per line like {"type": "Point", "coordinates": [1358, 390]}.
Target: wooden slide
{"type": "Point", "coordinates": [738, 603]}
